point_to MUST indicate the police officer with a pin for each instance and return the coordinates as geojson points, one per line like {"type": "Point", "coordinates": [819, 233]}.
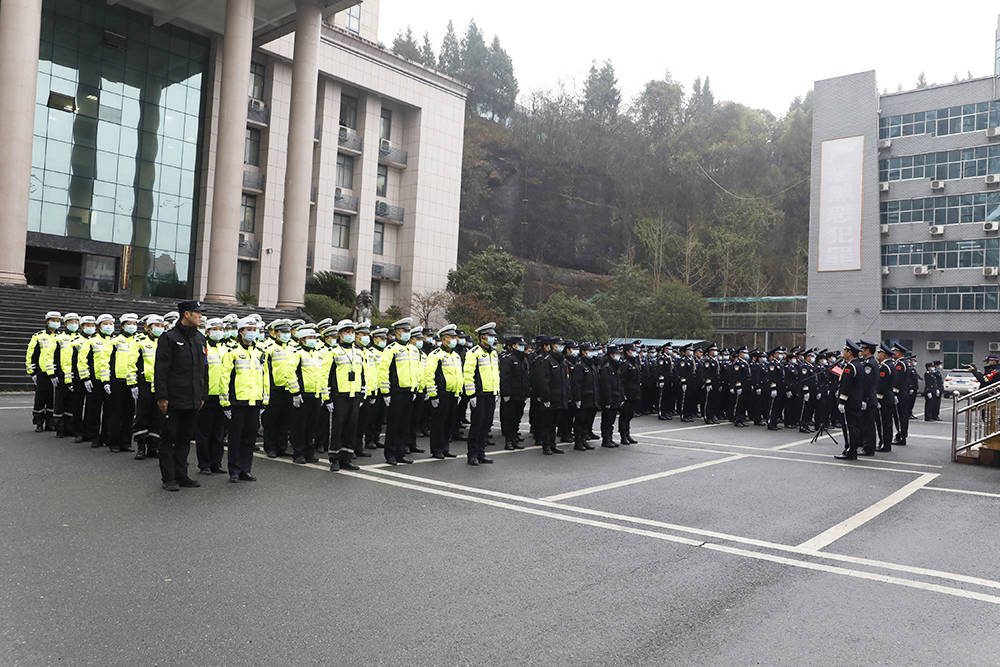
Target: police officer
{"type": "Point", "coordinates": [398, 381]}
{"type": "Point", "coordinates": [739, 376]}
{"type": "Point", "coordinates": [666, 383]}
{"type": "Point", "coordinates": [443, 379]}
{"type": "Point", "coordinates": [586, 390]}
{"type": "Point", "coordinates": [281, 359]}
{"type": "Point", "coordinates": [148, 424]}
{"type": "Point", "coordinates": [481, 375]}
{"type": "Point", "coordinates": [181, 388]}
{"type": "Point", "coordinates": [868, 378]}
{"type": "Point", "coordinates": [515, 387]}
{"type": "Point", "coordinates": [886, 397]}
{"type": "Point", "coordinates": [40, 362]}
{"type": "Point", "coordinates": [82, 383]}
{"type": "Point", "coordinates": [851, 394]}
{"type": "Point", "coordinates": [62, 400]}
{"type": "Point", "coordinates": [376, 406]}
{"type": "Point", "coordinates": [244, 377]}
{"type": "Point", "coordinates": [94, 367]}
{"type": "Point", "coordinates": [901, 404]}
{"type": "Point", "coordinates": [931, 401]}
{"type": "Point", "coordinates": [345, 393]}
{"type": "Point", "coordinates": [212, 426]}
{"type": "Point", "coordinates": [630, 374]}
{"type": "Point", "coordinates": [611, 395]}
{"type": "Point", "coordinates": [124, 384]}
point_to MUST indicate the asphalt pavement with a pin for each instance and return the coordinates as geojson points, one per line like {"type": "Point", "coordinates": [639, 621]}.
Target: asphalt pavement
{"type": "Point", "coordinates": [700, 545]}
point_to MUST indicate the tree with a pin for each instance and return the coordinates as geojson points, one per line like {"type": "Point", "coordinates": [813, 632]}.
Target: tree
{"type": "Point", "coordinates": [626, 302]}
{"type": "Point", "coordinates": [427, 56]}
{"type": "Point", "coordinates": [921, 80]}
{"type": "Point", "coordinates": [332, 285]}
{"type": "Point", "coordinates": [475, 69]}
{"type": "Point", "coordinates": [601, 97]}
{"type": "Point", "coordinates": [494, 277]}
{"type": "Point", "coordinates": [320, 306]}
{"type": "Point", "coordinates": [654, 235]}
{"type": "Point", "coordinates": [425, 305]}
{"type": "Point", "coordinates": [450, 58]}
{"type": "Point", "coordinates": [677, 312]}
{"type": "Point", "coordinates": [568, 316]}
{"type": "Point", "coordinates": [503, 89]}
{"type": "Point", "coordinates": [404, 45]}
{"type": "Point", "coordinates": [659, 109]}
{"type": "Point", "coordinates": [702, 100]}
{"type": "Point", "coordinates": [470, 310]}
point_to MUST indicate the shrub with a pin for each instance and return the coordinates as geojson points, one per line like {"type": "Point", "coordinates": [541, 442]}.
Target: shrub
{"type": "Point", "coordinates": [320, 306]}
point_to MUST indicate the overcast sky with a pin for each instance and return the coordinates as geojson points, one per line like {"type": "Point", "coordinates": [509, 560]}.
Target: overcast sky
{"type": "Point", "coordinates": [762, 54]}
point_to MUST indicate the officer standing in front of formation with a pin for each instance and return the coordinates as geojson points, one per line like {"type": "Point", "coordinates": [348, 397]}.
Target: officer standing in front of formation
{"type": "Point", "coordinates": [932, 398]}
{"type": "Point", "coordinates": [443, 379]}
{"type": "Point", "coordinates": [40, 362]}
{"type": "Point", "coordinates": [515, 387]}
{"type": "Point", "coordinates": [398, 377]}
{"type": "Point", "coordinates": [586, 390]}
{"type": "Point", "coordinates": [345, 392]}
{"type": "Point", "coordinates": [212, 427]}
{"type": "Point", "coordinates": [244, 375]}
{"type": "Point", "coordinates": [851, 394]}
{"type": "Point", "coordinates": [181, 389]}
{"type": "Point", "coordinates": [481, 374]}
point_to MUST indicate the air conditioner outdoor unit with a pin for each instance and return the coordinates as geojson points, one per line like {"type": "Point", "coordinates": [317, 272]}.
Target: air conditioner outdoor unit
{"type": "Point", "coordinates": [937, 230]}
{"type": "Point", "coordinates": [991, 271]}
{"type": "Point", "coordinates": [933, 345]}
{"type": "Point", "coordinates": [994, 347]}
{"type": "Point", "coordinates": [921, 270]}
{"type": "Point", "coordinates": [243, 238]}
{"type": "Point", "coordinates": [991, 226]}
{"type": "Point", "coordinates": [257, 104]}
{"type": "Point", "coordinates": [385, 144]}
{"type": "Point", "coordinates": [884, 144]}
{"type": "Point", "coordinates": [883, 187]}
{"type": "Point", "coordinates": [885, 270]}
{"type": "Point", "coordinates": [937, 185]}
{"type": "Point", "coordinates": [884, 229]}
{"type": "Point", "coordinates": [993, 132]}
{"type": "Point", "coordinates": [338, 192]}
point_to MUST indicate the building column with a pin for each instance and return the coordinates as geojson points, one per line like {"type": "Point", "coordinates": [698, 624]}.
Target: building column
{"type": "Point", "coordinates": [298, 172]}
{"type": "Point", "coordinates": [237, 48]}
{"type": "Point", "coordinates": [20, 26]}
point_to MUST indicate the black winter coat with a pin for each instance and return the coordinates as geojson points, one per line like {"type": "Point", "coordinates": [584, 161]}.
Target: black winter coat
{"type": "Point", "coordinates": [586, 384]}
{"type": "Point", "coordinates": [612, 393]}
{"type": "Point", "coordinates": [515, 380]}
{"type": "Point", "coordinates": [181, 370]}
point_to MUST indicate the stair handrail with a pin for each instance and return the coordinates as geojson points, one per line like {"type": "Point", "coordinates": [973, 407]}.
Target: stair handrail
{"type": "Point", "coordinates": [977, 430]}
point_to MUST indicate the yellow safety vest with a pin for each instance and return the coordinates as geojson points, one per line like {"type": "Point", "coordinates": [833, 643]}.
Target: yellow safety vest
{"type": "Point", "coordinates": [244, 377]}
{"type": "Point", "coordinates": [310, 374]}
{"type": "Point", "coordinates": [213, 354]}
{"type": "Point", "coordinates": [406, 361]}
{"type": "Point", "coordinates": [100, 350]}
{"type": "Point", "coordinates": [372, 355]}
{"type": "Point", "coordinates": [65, 343]}
{"type": "Point", "coordinates": [282, 360]}
{"type": "Point", "coordinates": [451, 369]}
{"type": "Point", "coordinates": [81, 347]}
{"type": "Point", "coordinates": [482, 372]}
{"type": "Point", "coordinates": [346, 363]}
{"type": "Point", "coordinates": [45, 343]}
{"type": "Point", "coordinates": [125, 352]}
{"type": "Point", "coordinates": [147, 347]}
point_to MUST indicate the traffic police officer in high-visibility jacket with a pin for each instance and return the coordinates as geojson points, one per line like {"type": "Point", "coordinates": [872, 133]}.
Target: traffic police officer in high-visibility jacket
{"type": "Point", "coordinates": [124, 384]}
{"type": "Point", "coordinates": [399, 379]}
{"type": "Point", "coordinates": [307, 386]}
{"type": "Point", "coordinates": [40, 362]}
{"type": "Point", "coordinates": [98, 374]}
{"type": "Point", "coordinates": [346, 381]}
{"type": "Point", "coordinates": [210, 433]}
{"type": "Point", "coordinates": [148, 418]}
{"type": "Point", "coordinates": [281, 360]}
{"type": "Point", "coordinates": [62, 413]}
{"type": "Point", "coordinates": [321, 431]}
{"type": "Point", "coordinates": [373, 381]}
{"type": "Point", "coordinates": [443, 379]}
{"type": "Point", "coordinates": [482, 385]}
{"type": "Point", "coordinates": [369, 360]}
{"type": "Point", "coordinates": [246, 390]}
{"type": "Point", "coordinates": [82, 384]}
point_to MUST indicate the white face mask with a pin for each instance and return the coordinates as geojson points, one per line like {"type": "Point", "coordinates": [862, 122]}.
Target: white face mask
{"type": "Point", "coordinates": [284, 336]}
{"type": "Point", "coordinates": [107, 329]}
{"type": "Point", "coordinates": [364, 340]}
{"type": "Point", "coordinates": [89, 331]}
{"type": "Point", "coordinates": [519, 348]}
{"type": "Point", "coordinates": [156, 331]}
{"type": "Point", "coordinates": [309, 342]}
{"type": "Point", "coordinates": [129, 328]}
{"type": "Point", "coordinates": [53, 325]}
{"type": "Point", "coordinates": [72, 327]}
{"type": "Point", "coordinates": [574, 353]}
{"type": "Point", "coordinates": [558, 348]}
{"type": "Point", "coordinates": [216, 334]}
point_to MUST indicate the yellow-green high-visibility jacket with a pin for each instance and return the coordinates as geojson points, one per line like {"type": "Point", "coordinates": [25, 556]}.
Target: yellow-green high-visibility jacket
{"type": "Point", "coordinates": [147, 350]}
{"type": "Point", "coordinates": [443, 373]}
{"type": "Point", "coordinates": [482, 372]}
{"type": "Point", "coordinates": [281, 362]}
{"type": "Point", "coordinates": [399, 368]}
{"type": "Point", "coordinates": [310, 373]}
{"type": "Point", "coordinates": [213, 355]}
{"type": "Point", "coordinates": [100, 356]}
{"type": "Point", "coordinates": [422, 361]}
{"type": "Point", "coordinates": [372, 355]}
{"type": "Point", "coordinates": [64, 355]}
{"type": "Point", "coordinates": [40, 357]}
{"type": "Point", "coordinates": [244, 376]}
{"type": "Point", "coordinates": [125, 358]}
{"type": "Point", "coordinates": [81, 352]}
{"type": "Point", "coordinates": [346, 370]}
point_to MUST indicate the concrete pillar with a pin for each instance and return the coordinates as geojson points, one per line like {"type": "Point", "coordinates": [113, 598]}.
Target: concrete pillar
{"type": "Point", "coordinates": [237, 47]}
{"type": "Point", "coordinates": [20, 26]}
{"type": "Point", "coordinates": [298, 172]}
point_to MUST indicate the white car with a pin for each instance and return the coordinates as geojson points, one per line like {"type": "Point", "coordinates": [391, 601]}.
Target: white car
{"type": "Point", "coordinates": [961, 381]}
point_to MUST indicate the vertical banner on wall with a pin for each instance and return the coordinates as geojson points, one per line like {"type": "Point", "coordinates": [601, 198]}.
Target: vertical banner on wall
{"type": "Point", "coordinates": [840, 204]}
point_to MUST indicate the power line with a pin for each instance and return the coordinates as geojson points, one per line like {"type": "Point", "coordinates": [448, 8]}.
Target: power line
{"type": "Point", "coordinates": [743, 198]}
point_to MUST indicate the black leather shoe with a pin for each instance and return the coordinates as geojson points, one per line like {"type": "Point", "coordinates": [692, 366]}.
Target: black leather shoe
{"type": "Point", "coordinates": [300, 460]}
{"type": "Point", "coordinates": [272, 454]}
{"type": "Point", "coordinates": [483, 459]}
{"type": "Point", "coordinates": [437, 455]}
{"type": "Point", "coordinates": [39, 428]}
{"type": "Point", "coordinates": [866, 452]}
{"type": "Point", "coordinates": [403, 459]}
{"type": "Point", "coordinates": [78, 439]}
{"type": "Point", "coordinates": [417, 450]}
{"type": "Point", "coordinates": [335, 465]}
{"type": "Point", "coordinates": [312, 459]}
{"type": "Point", "coordinates": [556, 450]}
{"type": "Point", "coordinates": [883, 449]}
{"type": "Point", "coordinates": [846, 457]}
{"type": "Point", "coordinates": [546, 450]}
{"type": "Point", "coordinates": [204, 471]}
{"type": "Point", "coordinates": [189, 483]}
{"type": "Point", "coordinates": [509, 446]}
{"type": "Point", "coordinates": [472, 462]}
{"type": "Point", "coordinates": [114, 450]}
{"type": "Point", "coordinates": [234, 479]}
{"type": "Point", "coordinates": [95, 445]}
{"type": "Point", "coordinates": [247, 477]}
{"type": "Point", "coordinates": [171, 486]}
{"type": "Point", "coordinates": [391, 462]}
{"type": "Point", "coordinates": [139, 456]}
{"type": "Point", "coordinates": [217, 470]}
{"type": "Point", "coordinates": [774, 428]}
{"type": "Point", "coordinates": [362, 454]}
{"type": "Point", "coordinates": [518, 445]}
{"type": "Point", "coordinates": [633, 441]}
{"type": "Point", "coordinates": [579, 448]}
{"type": "Point", "coordinates": [587, 446]}
{"type": "Point", "coordinates": [449, 455]}
{"type": "Point", "coordinates": [347, 465]}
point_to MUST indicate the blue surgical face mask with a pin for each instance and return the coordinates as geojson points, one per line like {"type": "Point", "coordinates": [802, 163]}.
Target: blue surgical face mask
{"type": "Point", "coordinates": [491, 340]}
{"type": "Point", "coordinates": [72, 327]}
{"type": "Point", "coordinates": [249, 336]}
{"type": "Point", "coordinates": [107, 329]}
{"type": "Point", "coordinates": [284, 336]}
{"type": "Point", "coordinates": [89, 330]}
{"type": "Point", "coordinates": [403, 336]}
{"type": "Point", "coordinates": [129, 328]}
{"type": "Point", "coordinates": [156, 331]}
{"type": "Point", "coordinates": [452, 343]}
{"type": "Point", "coordinates": [216, 334]}
{"type": "Point", "coordinates": [574, 353]}
{"type": "Point", "coordinates": [309, 342]}
{"type": "Point", "coordinates": [461, 341]}
{"type": "Point", "coordinates": [380, 343]}
{"type": "Point", "coordinates": [745, 357]}
{"type": "Point", "coordinates": [53, 325]}
{"type": "Point", "coordinates": [519, 348]}
{"type": "Point", "coordinates": [231, 333]}
{"type": "Point", "coordinates": [348, 339]}
{"type": "Point", "coordinates": [364, 340]}
{"type": "Point", "coordinates": [615, 357]}
{"type": "Point", "coordinates": [558, 348]}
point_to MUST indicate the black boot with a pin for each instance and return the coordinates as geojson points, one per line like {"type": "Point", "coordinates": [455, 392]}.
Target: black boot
{"type": "Point", "coordinates": [140, 451]}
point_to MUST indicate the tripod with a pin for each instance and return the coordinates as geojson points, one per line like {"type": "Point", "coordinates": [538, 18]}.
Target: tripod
{"type": "Point", "coordinates": [820, 430]}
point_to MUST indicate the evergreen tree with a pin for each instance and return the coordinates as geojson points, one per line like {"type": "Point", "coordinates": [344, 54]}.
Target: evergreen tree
{"type": "Point", "coordinates": [450, 58]}
{"type": "Point", "coordinates": [427, 56]}
{"type": "Point", "coordinates": [475, 69]}
{"type": "Point", "coordinates": [503, 89]}
{"type": "Point", "coordinates": [601, 97]}
{"type": "Point", "coordinates": [404, 45]}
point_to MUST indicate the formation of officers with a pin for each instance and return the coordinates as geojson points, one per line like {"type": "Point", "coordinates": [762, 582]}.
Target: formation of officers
{"type": "Point", "coordinates": [333, 388]}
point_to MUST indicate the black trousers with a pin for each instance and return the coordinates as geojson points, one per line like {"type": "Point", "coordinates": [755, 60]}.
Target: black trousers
{"type": "Point", "coordinates": [852, 430]}
{"type": "Point", "coordinates": [211, 434]}
{"type": "Point", "coordinates": [511, 413]}
{"type": "Point", "coordinates": [688, 399]}
{"type": "Point", "coordinates": [277, 421]}
{"type": "Point", "coordinates": [344, 431]}
{"type": "Point", "coordinates": [884, 421]}
{"type": "Point", "coordinates": [121, 415]}
{"type": "Point", "coordinates": [62, 413]}
{"type": "Point", "coordinates": [608, 416]}
{"type": "Point", "coordinates": [77, 403]}
{"type": "Point", "coordinates": [902, 414]}
{"type": "Point", "coordinates": [583, 421]}
{"type": "Point", "coordinates": [97, 402]}
{"type": "Point", "coordinates": [148, 425]}
{"type": "Point", "coordinates": [364, 414]}
{"type": "Point", "coordinates": [774, 406]}
{"type": "Point", "coordinates": [564, 426]}
{"type": "Point", "coordinates": [376, 419]}
{"type": "Point", "coordinates": [625, 413]}
{"type": "Point", "coordinates": [242, 435]}
{"type": "Point", "coordinates": [868, 428]}
{"type": "Point", "coordinates": [481, 423]}
{"type": "Point", "coordinates": [41, 411]}
{"type": "Point", "coordinates": [304, 424]}
{"type": "Point", "coordinates": [178, 429]}
{"type": "Point", "coordinates": [400, 410]}
{"type": "Point", "coordinates": [442, 420]}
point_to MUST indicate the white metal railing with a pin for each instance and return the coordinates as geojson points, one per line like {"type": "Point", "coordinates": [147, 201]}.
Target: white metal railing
{"type": "Point", "coordinates": [982, 418]}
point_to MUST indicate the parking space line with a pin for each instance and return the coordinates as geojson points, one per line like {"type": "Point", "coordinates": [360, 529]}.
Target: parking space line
{"type": "Point", "coordinates": [834, 533]}
{"type": "Point", "coordinates": [16, 407]}
{"type": "Point", "coordinates": [985, 494]}
{"type": "Point", "coordinates": [790, 444]}
{"type": "Point", "coordinates": [673, 430]}
{"type": "Point", "coordinates": [640, 479]}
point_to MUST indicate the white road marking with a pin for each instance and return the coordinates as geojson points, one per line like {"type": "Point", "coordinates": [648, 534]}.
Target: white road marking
{"type": "Point", "coordinates": [834, 533]}
{"type": "Point", "coordinates": [985, 494]}
{"type": "Point", "coordinates": [643, 478]}
{"type": "Point", "coordinates": [16, 407]}
{"type": "Point", "coordinates": [790, 444]}
{"type": "Point", "coordinates": [673, 430]}
{"type": "Point", "coordinates": [458, 456]}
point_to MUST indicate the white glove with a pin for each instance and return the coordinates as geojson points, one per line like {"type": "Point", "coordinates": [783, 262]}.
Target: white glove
{"type": "Point", "coordinates": [841, 407]}
{"type": "Point", "coordinates": [895, 400]}
{"type": "Point", "coordinates": [739, 391]}
{"type": "Point", "coordinates": [135, 393]}
{"type": "Point", "coordinates": [545, 403]}
{"type": "Point", "coordinates": [930, 395]}
{"type": "Point", "coordinates": [371, 400]}
{"type": "Point", "coordinates": [506, 399]}
{"type": "Point", "coordinates": [659, 385]}
{"type": "Point", "coordinates": [864, 406]}
{"type": "Point", "coordinates": [788, 394]}
{"type": "Point", "coordinates": [937, 393]}
{"type": "Point", "coordinates": [472, 402]}
{"type": "Point", "coordinates": [578, 404]}
{"type": "Point", "coordinates": [297, 401]}
{"type": "Point", "coordinates": [435, 402]}
{"type": "Point", "coordinates": [34, 380]}
{"type": "Point", "coordinates": [329, 408]}
{"type": "Point", "coordinates": [427, 397]}
{"type": "Point", "coordinates": [107, 389]}
{"type": "Point", "coordinates": [805, 397]}
{"type": "Point", "coordinates": [758, 392]}
{"type": "Point", "coordinates": [774, 393]}
{"type": "Point", "coordinates": [387, 400]}
{"type": "Point", "coordinates": [55, 382]}
{"type": "Point", "coordinates": [228, 414]}
{"type": "Point", "coordinates": [88, 385]}
{"type": "Point", "coordinates": [732, 391]}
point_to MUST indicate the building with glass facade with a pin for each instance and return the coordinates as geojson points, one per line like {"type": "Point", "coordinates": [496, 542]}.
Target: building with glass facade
{"type": "Point", "coordinates": [904, 217]}
{"type": "Point", "coordinates": [181, 149]}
